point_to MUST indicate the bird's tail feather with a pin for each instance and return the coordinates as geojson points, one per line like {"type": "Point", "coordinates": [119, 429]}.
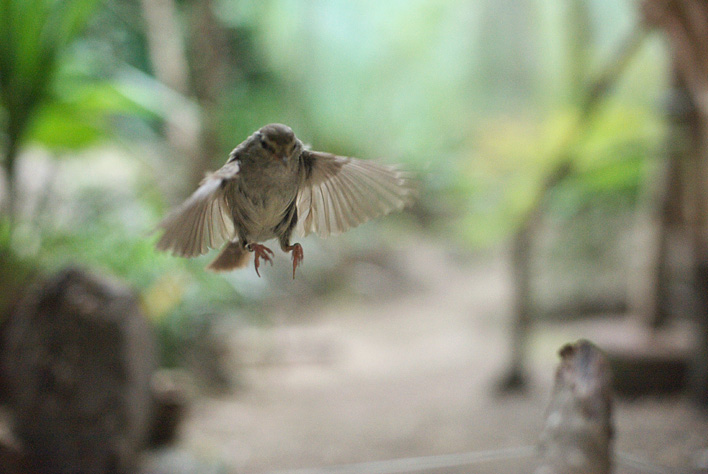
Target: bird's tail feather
{"type": "Point", "coordinates": [231, 257]}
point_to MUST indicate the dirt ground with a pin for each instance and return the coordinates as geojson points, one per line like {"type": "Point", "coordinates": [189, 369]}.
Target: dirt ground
{"type": "Point", "coordinates": [404, 381]}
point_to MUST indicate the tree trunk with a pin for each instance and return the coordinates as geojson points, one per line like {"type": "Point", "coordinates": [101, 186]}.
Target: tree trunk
{"type": "Point", "coordinates": [685, 23]}
{"type": "Point", "coordinates": [166, 49]}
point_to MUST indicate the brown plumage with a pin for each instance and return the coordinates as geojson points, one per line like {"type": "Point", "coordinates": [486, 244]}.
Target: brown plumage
{"type": "Point", "coordinates": [272, 185]}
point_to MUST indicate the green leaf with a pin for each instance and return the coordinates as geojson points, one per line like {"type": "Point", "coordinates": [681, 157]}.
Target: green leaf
{"type": "Point", "coordinates": [61, 125]}
{"type": "Point", "coordinates": [35, 33]}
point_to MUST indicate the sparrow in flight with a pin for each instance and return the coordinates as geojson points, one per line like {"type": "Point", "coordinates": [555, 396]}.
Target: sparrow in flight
{"type": "Point", "coordinates": [273, 185]}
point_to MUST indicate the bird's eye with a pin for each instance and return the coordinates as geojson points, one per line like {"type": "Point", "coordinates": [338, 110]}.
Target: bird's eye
{"type": "Point", "coordinates": [266, 145]}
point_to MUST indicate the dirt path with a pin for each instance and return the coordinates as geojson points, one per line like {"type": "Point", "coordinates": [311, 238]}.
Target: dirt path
{"type": "Point", "coordinates": [407, 376]}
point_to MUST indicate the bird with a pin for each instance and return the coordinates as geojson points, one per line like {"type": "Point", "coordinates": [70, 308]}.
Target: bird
{"type": "Point", "coordinates": [271, 186]}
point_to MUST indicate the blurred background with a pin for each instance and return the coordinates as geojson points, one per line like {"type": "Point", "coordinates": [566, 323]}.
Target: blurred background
{"type": "Point", "coordinates": [560, 147]}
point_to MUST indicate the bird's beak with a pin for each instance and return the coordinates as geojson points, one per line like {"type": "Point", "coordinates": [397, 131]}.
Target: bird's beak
{"type": "Point", "coordinates": [284, 158]}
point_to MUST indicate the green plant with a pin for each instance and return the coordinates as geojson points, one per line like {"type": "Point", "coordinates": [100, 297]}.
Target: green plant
{"type": "Point", "coordinates": [34, 36]}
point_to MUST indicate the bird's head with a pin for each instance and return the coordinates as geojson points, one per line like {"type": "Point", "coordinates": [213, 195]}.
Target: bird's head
{"type": "Point", "coordinates": [278, 142]}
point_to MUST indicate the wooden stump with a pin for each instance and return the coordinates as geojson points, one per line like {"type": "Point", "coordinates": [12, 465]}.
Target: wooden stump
{"type": "Point", "coordinates": [78, 357]}
{"type": "Point", "coordinates": [577, 435]}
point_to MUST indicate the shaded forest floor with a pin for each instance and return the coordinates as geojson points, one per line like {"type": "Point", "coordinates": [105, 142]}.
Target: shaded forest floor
{"type": "Point", "coordinates": [397, 374]}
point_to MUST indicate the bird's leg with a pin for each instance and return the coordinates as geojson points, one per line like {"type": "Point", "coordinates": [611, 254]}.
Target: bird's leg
{"type": "Point", "coordinates": [297, 253]}
{"type": "Point", "coordinates": [260, 251]}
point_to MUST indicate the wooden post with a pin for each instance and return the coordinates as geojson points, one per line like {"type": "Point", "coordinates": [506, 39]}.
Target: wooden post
{"type": "Point", "coordinates": [578, 432]}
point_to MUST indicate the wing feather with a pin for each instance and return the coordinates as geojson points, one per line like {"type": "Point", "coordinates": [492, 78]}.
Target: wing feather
{"type": "Point", "coordinates": [341, 192]}
{"type": "Point", "coordinates": [204, 220]}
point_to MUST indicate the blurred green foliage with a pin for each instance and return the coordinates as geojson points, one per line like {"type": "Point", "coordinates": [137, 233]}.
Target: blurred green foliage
{"type": "Point", "coordinates": [35, 35]}
{"type": "Point", "coordinates": [475, 96]}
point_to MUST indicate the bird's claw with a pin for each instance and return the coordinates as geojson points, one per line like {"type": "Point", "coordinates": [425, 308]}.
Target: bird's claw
{"type": "Point", "coordinates": [298, 256]}
{"type": "Point", "coordinates": [260, 251]}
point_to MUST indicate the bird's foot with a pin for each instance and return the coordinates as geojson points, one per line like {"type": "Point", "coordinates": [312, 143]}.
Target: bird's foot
{"type": "Point", "coordinates": [298, 255]}
{"type": "Point", "coordinates": [260, 251]}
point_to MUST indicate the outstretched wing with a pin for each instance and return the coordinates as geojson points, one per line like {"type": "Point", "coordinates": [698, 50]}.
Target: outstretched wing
{"type": "Point", "coordinates": [340, 192]}
{"type": "Point", "coordinates": [203, 221]}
